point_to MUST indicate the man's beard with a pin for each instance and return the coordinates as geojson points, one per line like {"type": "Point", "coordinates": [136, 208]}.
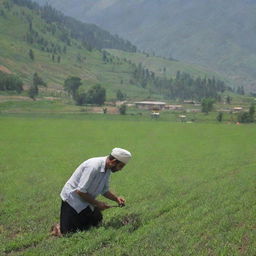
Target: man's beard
{"type": "Point", "coordinates": [114, 169]}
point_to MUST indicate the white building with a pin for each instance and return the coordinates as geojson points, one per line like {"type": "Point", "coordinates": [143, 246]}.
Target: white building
{"type": "Point", "coordinates": [150, 105]}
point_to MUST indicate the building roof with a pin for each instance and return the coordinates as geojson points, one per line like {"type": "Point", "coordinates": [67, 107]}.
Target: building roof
{"type": "Point", "coordinates": [150, 102]}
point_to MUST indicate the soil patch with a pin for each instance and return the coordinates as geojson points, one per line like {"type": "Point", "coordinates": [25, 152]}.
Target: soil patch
{"type": "Point", "coordinates": [5, 69]}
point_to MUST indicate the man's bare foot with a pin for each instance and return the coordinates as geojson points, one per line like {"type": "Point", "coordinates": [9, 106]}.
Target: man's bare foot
{"type": "Point", "coordinates": [55, 230]}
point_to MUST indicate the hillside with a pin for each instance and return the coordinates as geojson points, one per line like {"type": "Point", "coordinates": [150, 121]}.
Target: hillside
{"type": "Point", "coordinates": [217, 34]}
{"type": "Point", "coordinates": [56, 57]}
{"type": "Point", "coordinates": [45, 41]}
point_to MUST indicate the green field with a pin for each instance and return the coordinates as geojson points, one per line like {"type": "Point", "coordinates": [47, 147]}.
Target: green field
{"type": "Point", "coordinates": [190, 188]}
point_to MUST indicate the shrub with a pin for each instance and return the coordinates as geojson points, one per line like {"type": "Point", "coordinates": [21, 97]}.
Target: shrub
{"type": "Point", "coordinates": [122, 109]}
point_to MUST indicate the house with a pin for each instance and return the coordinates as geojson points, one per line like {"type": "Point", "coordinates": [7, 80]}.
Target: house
{"type": "Point", "coordinates": [189, 102]}
{"type": "Point", "coordinates": [174, 107]}
{"type": "Point", "coordinates": [150, 105]}
{"type": "Point", "coordinates": [237, 109]}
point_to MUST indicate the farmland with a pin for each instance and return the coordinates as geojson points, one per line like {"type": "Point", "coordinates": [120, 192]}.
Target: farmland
{"type": "Point", "coordinates": [190, 187]}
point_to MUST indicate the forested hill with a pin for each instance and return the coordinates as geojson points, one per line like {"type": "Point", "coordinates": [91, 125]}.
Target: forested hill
{"type": "Point", "coordinates": [90, 34]}
{"type": "Point", "coordinates": [41, 42]}
{"type": "Point", "coordinates": [38, 44]}
{"type": "Point", "coordinates": [214, 33]}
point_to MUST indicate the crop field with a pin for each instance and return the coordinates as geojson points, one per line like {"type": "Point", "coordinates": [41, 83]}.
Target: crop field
{"type": "Point", "coordinates": [190, 188]}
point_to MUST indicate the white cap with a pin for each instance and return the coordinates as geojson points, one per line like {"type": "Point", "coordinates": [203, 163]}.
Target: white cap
{"type": "Point", "coordinates": [121, 154]}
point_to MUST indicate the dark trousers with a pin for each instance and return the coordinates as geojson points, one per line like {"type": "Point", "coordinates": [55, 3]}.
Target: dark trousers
{"type": "Point", "coordinates": [71, 221]}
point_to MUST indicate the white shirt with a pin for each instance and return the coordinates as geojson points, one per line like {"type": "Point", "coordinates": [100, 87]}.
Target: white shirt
{"type": "Point", "coordinates": [90, 177]}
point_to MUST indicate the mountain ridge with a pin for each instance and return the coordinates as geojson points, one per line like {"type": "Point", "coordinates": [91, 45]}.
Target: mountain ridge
{"type": "Point", "coordinates": [217, 34]}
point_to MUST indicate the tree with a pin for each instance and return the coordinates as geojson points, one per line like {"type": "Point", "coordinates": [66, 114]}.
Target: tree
{"type": "Point", "coordinates": [31, 54]}
{"type": "Point", "coordinates": [79, 58]}
{"type": "Point", "coordinates": [252, 112]}
{"type": "Point", "coordinates": [247, 117]}
{"type": "Point", "coordinates": [10, 82]}
{"type": "Point", "coordinates": [30, 26]}
{"type": "Point", "coordinates": [122, 109]}
{"type": "Point", "coordinates": [96, 95]}
{"type": "Point", "coordinates": [207, 105]}
{"type": "Point", "coordinates": [71, 85]}
{"type": "Point", "coordinates": [80, 98]}
{"type": "Point", "coordinates": [240, 90]}
{"type": "Point", "coordinates": [38, 81]}
{"type": "Point", "coordinates": [104, 57]}
{"type": "Point", "coordinates": [228, 100]}
{"type": "Point", "coordinates": [33, 90]}
{"type": "Point", "coordinates": [120, 96]}
{"type": "Point", "coordinates": [244, 117]}
{"type": "Point", "coordinates": [219, 117]}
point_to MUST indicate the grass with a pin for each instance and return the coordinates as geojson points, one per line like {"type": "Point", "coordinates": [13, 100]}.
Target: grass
{"type": "Point", "coordinates": [190, 188]}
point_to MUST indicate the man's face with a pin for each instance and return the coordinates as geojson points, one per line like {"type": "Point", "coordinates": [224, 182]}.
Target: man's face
{"type": "Point", "coordinates": [116, 166]}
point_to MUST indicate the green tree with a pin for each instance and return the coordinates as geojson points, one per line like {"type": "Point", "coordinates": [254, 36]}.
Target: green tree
{"type": "Point", "coordinates": [247, 117]}
{"type": "Point", "coordinates": [81, 98]}
{"type": "Point", "coordinates": [96, 95]}
{"type": "Point", "coordinates": [244, 117]}
{"type": "Point", "coordinates": [207, 105]}
{"type": "Point", "coordinates": [71, 85]}
{"type": "Point", "coordinates": [31, 54]}
{"type": "Point", "coordinates": [34, 90]}
{"type": "Point", "coordinates": [104, 57]}
{"type": "Point", "coordinates": [122, 109]}
{"type": "Point", "coordinates": [252, 112]}
{"type": "Point", "coordinates": [219, 117]}
{"type": "Point", "coordinates": [38, 81]}
{"type": "Point", "coordinates": [240, 90]}
{"type": "Point", "coordinates": [228, 100]}
{"type": "Point", "coordinates": [120, 96]}
{"type": "Point", "coordinates": [10, 82]}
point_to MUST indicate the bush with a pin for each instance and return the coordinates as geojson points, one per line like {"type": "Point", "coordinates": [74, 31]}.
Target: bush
{"type": "Point", "coordinates": [71, 85]}
{"type": "Point", "coordinates": [219, 117]}
{"type": "Point", "coordinates": [120, 96]}
{"type": "Point", "coordinates": [244, 117]}
{"type": "Point", "coordinates": [95, 95]}
{"type": "Point", "coordinates": [207, 105]}
{"type": "Point", "coordinates": [247, 117]}
{"type": "Point", "coordinates": [9, 82]}
{"type": "Point", "coordinates": [122, 109]}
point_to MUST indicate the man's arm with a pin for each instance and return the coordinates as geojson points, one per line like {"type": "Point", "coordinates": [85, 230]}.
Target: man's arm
{"type": "Point", "coordinates": [111, 196]}
{"type": "Point", "coordinates": [89, 199]}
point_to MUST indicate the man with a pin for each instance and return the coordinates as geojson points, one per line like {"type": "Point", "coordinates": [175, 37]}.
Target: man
{"type": "Point", "coordinates": [79, 209]}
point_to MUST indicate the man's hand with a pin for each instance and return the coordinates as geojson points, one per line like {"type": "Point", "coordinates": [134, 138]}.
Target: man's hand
{"type": "Point", "coordinates": [109, 195]}
{"type": "Point", "coordinates": [102, 206]}
{"type": "Point", "coordinates": [120, 201]}
{"type": "Point", "coordinates": [89, 199]}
